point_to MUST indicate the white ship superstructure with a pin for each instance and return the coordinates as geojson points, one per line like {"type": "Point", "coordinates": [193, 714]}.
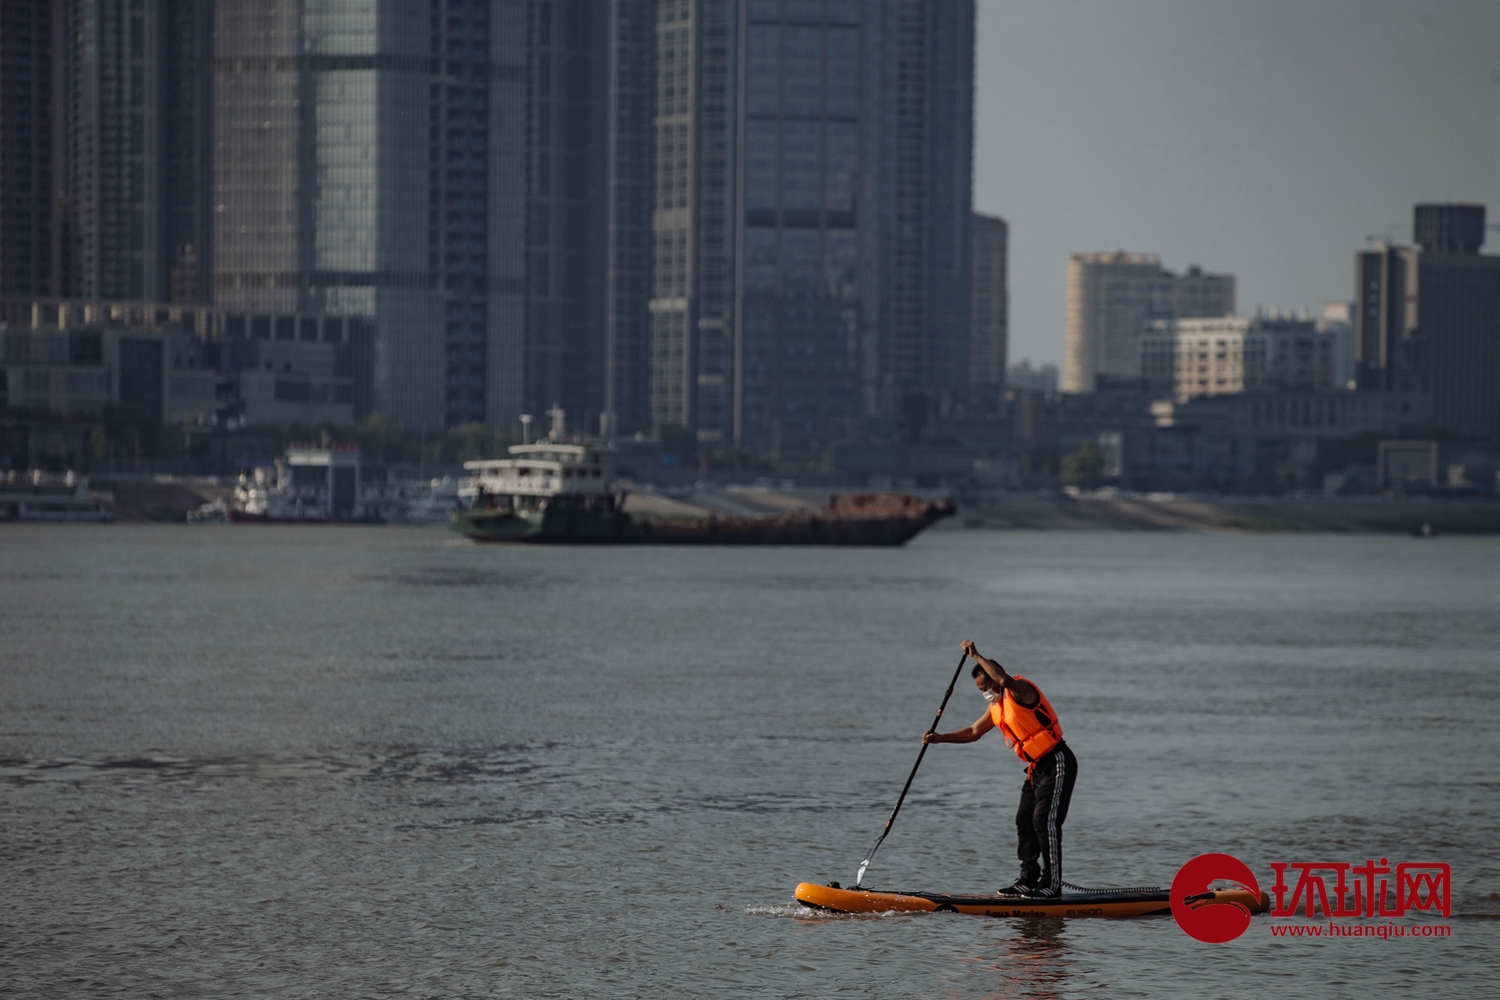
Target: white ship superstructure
{"type": "Point", "coordinates": [308, 484]}
{"type": "Point", "coordinates": [536, 473]}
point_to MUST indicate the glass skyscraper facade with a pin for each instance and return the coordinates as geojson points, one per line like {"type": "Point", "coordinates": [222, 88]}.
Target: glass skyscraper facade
{"type": "Point", "coordinates": [693, 287]}
{"type": "Point", "coordinates": [362, 169]}
{"type": "Point", "coordinates": [587, 169]}
{"type": "Point", "coordinates": [629, 142]}
{"type": "Point", "coordinates": [472, 175]}
{"type": "Point", "coordinates": [812, 219]}
{"type": "Point", "coordinates": [332, 125]}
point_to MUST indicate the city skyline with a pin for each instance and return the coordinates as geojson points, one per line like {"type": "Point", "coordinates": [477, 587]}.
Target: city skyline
{"type": "Point", "coordinates": [748, 220]}
{"type": "Point", "coordinates": [1283, 136]}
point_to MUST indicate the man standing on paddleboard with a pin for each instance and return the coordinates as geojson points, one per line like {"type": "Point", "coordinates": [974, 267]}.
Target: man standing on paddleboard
{"type": "Point", "coordinates": [1025, 718]}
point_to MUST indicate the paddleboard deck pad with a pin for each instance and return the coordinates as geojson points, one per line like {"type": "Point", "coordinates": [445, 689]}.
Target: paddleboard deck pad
{"type": "Point", "coordinates": [1085, 903]}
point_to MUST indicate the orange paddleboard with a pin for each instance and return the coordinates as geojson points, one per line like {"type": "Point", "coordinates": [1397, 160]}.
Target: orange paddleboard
{"type": "Point", "coordinates": [1095, 903]}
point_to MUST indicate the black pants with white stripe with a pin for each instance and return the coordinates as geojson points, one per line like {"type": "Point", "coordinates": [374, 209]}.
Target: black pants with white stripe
{"type": "Point", "coordinates": [1044, 806]}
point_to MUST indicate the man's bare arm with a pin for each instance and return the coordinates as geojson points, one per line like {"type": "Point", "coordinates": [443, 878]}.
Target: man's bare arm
{"type": "Point", "coordinates": [1022, 691]}
{"type": "Point", "coordinates": [981, 726]}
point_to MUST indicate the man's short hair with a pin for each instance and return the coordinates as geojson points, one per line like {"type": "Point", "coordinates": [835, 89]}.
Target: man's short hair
{"type": "Point", "coordinates": [976, 671]}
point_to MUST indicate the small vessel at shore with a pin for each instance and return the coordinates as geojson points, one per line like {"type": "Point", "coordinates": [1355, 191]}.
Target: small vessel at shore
{"type": "Point", "coordinates": [33, 496]}
{"type": "Point", "coordinates": [562, 493]}
{"type": "Point", "coordinates": [310, 484]}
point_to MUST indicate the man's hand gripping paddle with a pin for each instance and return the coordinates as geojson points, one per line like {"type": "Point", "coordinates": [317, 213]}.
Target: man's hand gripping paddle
{"type": "Point", "coordinates": [946, 695]}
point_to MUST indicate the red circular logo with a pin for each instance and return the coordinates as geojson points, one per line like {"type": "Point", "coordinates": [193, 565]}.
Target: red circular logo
{"type": "Point", "coordinates": [1193, 903]}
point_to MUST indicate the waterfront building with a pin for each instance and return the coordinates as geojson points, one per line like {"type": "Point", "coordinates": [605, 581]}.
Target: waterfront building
{"type": "Point", "coordinates": [1407, 464]}
{"type": "Point", "coordinates": [812, 225]}
{"type": "Point", "coordinates": [1112, 297]}
{"type": "Point", "coordinates": [1253, 441]}
{"type": "Point", "coordinates": [1427, 320]}
{"type": "Point", "coordinates": [989, 315]}
{"type": "Point", "coordinates": [1231, 354]}
{"type": "Point", "coordinates": [183, 363]}
{"type": "Point", "coordinates": [69, 359]}
{"type": "Point", "coordinates": [1301, 413]}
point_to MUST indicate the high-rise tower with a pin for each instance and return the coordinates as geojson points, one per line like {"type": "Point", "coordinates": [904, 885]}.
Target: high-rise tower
{"type": "Point", "coordinates": [139, 147]}
{"type": "Point", "coordinates": [34, 210]}
{"type": "Point", "coordinates": [1427, 320]}
{"type": "Point", "coordinates": [693, 286]}
{"type": "Point", "coordinates": [628, 138]}
{"type": "Point", "coordinates": [107, 148]}
{"type": "Point", "coordinates": [990, 314]}
{"type": "Point", "coordinates": [812, 264]}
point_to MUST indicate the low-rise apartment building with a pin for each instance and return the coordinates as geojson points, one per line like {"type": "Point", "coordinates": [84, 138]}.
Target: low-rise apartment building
{"type": "Point", "coordinates": [1232, 354]}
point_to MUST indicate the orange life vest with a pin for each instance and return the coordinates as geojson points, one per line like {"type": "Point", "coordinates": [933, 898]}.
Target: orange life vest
{"type": "Point", "coordinates": [1031, 732]}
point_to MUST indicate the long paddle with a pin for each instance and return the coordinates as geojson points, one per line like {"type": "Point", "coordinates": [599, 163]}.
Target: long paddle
{"type": "Point", "coordinates": [920, 754]}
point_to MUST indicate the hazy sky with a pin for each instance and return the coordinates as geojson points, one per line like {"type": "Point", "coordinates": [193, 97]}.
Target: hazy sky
{"type": "Point", "coordinates": [1263, 138]}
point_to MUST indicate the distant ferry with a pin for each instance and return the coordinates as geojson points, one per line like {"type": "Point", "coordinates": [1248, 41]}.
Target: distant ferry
{"type": "Point", "coordinates": [557, 492]}
{"type": "Point", "coordinates": [546, 492]}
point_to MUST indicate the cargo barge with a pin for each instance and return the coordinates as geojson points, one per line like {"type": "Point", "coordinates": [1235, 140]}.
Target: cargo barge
{"type": "Point", "coordinates": [561, 493]}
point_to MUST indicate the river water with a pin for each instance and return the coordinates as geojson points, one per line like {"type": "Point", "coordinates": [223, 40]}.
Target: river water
{"type": "Point", "coordinates": [275, 762]}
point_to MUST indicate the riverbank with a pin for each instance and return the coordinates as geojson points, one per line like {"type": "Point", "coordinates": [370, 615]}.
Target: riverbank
{"type": "Point", "coordinates": [142, 501]}
{"type": "Point", "coordinates": [1040, 510]}
{"type": "Point", "coordinates": [1170, 512]}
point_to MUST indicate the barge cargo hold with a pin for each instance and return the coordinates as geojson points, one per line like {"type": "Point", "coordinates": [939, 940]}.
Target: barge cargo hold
{"type": "Point", "coordinates": [849, 519]}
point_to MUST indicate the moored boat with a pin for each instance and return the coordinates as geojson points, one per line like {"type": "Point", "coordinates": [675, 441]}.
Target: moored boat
{"type": "Point", "coordinates": [308, 485]}
{"type": "Point", "coordinates": [33, 496]}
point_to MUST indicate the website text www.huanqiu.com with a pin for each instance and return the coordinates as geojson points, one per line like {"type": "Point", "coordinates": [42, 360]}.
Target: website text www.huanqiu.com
{"type": "Point", "coordinates": [1382, 931]}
